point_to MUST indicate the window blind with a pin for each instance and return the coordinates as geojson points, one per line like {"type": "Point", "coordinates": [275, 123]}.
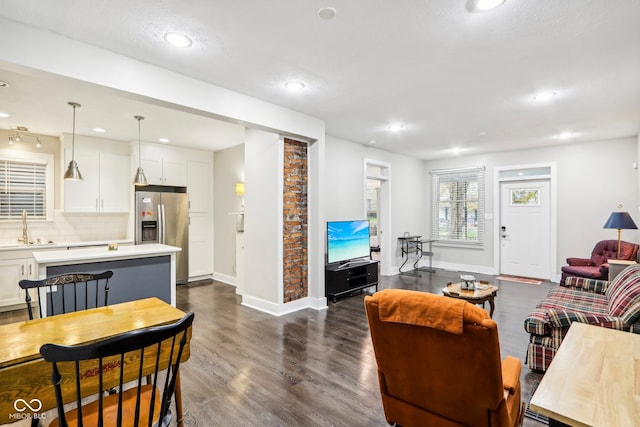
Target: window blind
{"type": "Point", "coordinates": [22, 187]}
{"type": "Point", "coordinates": [457, 213]}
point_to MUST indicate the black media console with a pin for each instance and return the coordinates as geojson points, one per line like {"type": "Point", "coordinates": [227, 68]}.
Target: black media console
{"type": "Point", "coordinates": [344, 280]}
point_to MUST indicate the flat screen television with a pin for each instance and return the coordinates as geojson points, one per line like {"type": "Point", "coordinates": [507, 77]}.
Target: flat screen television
{"type": "Point", "coordinates": [347, 241]}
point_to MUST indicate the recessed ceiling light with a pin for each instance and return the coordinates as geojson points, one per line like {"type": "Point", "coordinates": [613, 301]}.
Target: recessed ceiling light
{"type": "Point", "coordinates": [4, 84]}
{"type": "Point", "coordinates": [455, 151]}
{"type": "Point", "coordinates": [99, 130]}
{"type": "Point", "coordinates": [4, 115]}
{"type": "Point", "coordinates": [327, 13]}
{"type": "Point", "coordinates": [372, 142]}
{"type": "Point", "coordinates": [544, 96]}
{"type": "Point", "coordinates": [165, 140]}
{"type": "Point", "coordinates": [483, 5]}
{"type": "Point", "coordinates": [294, 85]}
{"type": "Point", "coordinates": [565, 135]}
{"type": "Point", "coordinates": [178, 40]}
{"type": "Point", "coordinates": [395, 127]}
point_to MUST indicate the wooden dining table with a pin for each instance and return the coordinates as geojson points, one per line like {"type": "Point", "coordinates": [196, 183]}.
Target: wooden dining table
{"type": "Point", "coordinates": [26, 389]}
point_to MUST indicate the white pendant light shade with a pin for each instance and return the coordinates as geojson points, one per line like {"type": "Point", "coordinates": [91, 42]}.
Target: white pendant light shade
{"type": "Point", "coordinates": [73, 173]}
{"type": "Point", "coordinates": [140, 180]}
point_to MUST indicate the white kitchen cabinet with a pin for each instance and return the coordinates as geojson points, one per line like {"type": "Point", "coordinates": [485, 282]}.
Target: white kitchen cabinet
{"type": "Point", "coordinates": [200, 246]}
{"type": "Point", "coordinates": [200, 186]}
{"type": "Point", "coordinates": [105, 184]}
{"type": "Point", "coordinates": [164, 165]}
{"type": "Point", "coordinates": [115, 181]}
{"type": "Point", "coordinates": [11, 272]}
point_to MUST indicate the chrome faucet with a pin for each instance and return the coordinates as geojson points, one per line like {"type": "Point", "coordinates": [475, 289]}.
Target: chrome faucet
{"type": "Point", "coordinates": [25, 234]}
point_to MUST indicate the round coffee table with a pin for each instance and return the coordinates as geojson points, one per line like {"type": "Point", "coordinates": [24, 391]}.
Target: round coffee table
{"type": "Point", "coordinates": [485, 293]}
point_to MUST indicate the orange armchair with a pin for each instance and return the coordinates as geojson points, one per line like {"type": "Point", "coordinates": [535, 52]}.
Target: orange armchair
{"type": "Point", "coordinates": [439, 362]}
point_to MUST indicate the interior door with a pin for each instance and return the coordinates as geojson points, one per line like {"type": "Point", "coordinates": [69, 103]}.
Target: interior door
{"type": "Point", "coordinates": [525, 228]}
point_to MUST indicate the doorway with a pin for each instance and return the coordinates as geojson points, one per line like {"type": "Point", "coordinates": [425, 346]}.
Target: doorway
{"type": "Point", "coordinates": [377, 176]}
{"type": "Point", "coordinates": [525, 224]}
{"type": "Point", "coordinates": [373, 201]}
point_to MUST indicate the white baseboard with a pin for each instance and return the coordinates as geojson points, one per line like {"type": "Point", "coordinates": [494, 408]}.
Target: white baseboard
{"type": "Point", "coordinates": [225, 278]}
{"type": "Point", "coordinates": [282, 309]}
{"type": "Point", "coordinates": [201, 277]}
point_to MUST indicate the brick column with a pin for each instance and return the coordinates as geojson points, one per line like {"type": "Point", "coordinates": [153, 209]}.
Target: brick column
{"type": "Point", "coordinates": [295, 220]}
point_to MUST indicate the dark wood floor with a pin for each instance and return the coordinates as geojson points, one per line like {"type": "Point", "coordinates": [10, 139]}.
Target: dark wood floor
{"type": "Point", "coordinates": [309, 368]}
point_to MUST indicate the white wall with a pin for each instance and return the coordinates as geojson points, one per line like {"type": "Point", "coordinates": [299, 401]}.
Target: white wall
{"type": "Point", "coordinates": [592, 179]}
{"type": "Point", "coordinates": [44, 51]}
{"type": "Point", "coordinates": [228, 170]}
{"type": "Point", "coordinates": [345, 186]}
{"type": "Point", "coordinates": [263, 220]}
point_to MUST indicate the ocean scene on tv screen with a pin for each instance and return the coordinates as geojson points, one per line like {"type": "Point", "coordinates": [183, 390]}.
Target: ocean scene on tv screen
{"type": "Point", "coordinates": [347, 240]}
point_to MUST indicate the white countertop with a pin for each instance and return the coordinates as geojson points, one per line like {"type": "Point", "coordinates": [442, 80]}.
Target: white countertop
{"type": "Point", "coordinates": [6, 247]}
{"type": "Point", "coordinates": [61, 257]}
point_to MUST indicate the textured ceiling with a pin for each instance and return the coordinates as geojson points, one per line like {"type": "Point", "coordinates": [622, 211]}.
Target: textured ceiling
{"type": "Point", "coordinates": [453, 78]}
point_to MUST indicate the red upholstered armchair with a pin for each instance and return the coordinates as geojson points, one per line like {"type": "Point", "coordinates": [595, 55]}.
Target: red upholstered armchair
{"type": "Point", "coordinates": [597, 266]}
{"type": "Point", "coordinates": [439, 362]}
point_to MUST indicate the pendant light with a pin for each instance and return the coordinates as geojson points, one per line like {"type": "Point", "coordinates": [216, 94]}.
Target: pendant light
{"type": "Point", "coordinates": [73, 173]}
{"type": "Point", "coordinates": [140, 179]}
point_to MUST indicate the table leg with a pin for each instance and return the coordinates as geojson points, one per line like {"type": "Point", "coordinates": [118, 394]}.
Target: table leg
{"type": "Point", "coordinates": [492, 307]}
{"type": "Point", "coordinates": [406, 249]}
{"type": "Point", "coordinates": [178, 393]}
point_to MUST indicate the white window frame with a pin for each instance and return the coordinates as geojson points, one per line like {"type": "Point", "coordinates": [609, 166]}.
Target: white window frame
{"type": "Point", "coordinates": [458, 175]}
{"type": "Point", "coordinates": [36, 158]}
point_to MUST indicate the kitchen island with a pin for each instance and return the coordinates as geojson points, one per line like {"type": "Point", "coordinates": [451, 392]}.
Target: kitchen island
{"type": "Point", "coordinates": [139, 271]}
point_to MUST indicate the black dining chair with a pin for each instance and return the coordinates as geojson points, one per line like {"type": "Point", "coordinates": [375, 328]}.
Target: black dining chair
{"type": "Point", "coordinates": [68, 292]}
{"type": "Point", "coordinates": [121, 361]}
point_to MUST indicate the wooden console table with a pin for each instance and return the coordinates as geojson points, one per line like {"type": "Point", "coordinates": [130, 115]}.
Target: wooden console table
{"type": "Point", "coordinates": [592, 380]}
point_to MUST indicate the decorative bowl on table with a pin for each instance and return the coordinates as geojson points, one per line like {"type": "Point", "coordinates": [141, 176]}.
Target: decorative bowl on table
{"type": "Point", "coordinates": [467, 281]}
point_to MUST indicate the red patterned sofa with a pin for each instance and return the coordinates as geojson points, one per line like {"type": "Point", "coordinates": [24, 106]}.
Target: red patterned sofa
{"type": "Point", "coordinates": [614, 305]}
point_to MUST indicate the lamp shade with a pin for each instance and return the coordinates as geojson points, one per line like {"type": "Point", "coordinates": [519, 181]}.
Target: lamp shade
{"type": "Point", "coordinates": [621, 221]}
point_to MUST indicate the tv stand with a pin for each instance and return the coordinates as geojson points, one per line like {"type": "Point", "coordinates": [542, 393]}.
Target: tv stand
{"type": "Point", "coordinates": [344, 279]}
{"type": "Point", "coordinates": [352, 264]}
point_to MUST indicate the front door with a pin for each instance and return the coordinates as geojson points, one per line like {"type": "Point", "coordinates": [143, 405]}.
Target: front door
{"type": "Point", "coordinates": [525, 228]}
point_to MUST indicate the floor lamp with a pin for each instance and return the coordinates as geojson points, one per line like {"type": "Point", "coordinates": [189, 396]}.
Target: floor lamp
{"type": "Point", "coordinates": [620, 220]}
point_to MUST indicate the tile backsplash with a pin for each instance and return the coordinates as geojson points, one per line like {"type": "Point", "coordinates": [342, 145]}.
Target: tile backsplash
{"type": "Point", "coordinates": [69, 228]}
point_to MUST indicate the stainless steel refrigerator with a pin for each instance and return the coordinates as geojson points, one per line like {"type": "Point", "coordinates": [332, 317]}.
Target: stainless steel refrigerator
{"type": "Point", "coordinates": [162, 216]}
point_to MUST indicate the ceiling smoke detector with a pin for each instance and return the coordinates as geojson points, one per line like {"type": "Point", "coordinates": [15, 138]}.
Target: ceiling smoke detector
{"type": "Point", "coordinates": [327, 13]}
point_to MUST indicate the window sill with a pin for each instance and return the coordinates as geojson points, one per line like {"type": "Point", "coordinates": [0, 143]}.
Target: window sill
{"type": "Point", "coordinates": [456, 244]}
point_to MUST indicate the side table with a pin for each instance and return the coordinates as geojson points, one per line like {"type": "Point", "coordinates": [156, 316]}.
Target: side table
{"type": "Point", "coordinates": [616, 266]}
{"type": "Point", "coordinates": [485, 293]}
